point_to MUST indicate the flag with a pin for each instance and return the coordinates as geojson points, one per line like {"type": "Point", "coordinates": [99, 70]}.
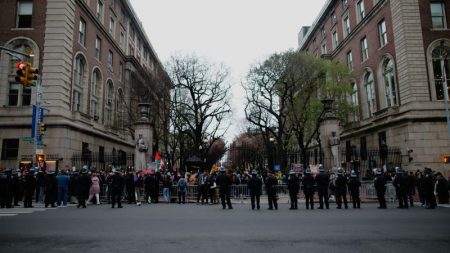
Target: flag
{"type": "Point", "coordinates": [157, 156]}
{"type": "Point", "coordinates": [157, 160]}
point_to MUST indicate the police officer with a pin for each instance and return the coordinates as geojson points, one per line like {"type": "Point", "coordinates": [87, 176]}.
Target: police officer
{"type": "Point", "coordinates": [224, 183]}
{"type": "Point", "coordinates": [353, 185]}
{"type": "Point", "coordinates": [254, 186]}
{"type": "Point", "coordinates": [29, 186]}
{"type": "Point", "coordinates": [308, 188]}
{"type": "Point", "coordinates": [323, 182]}
{"type": "Point", "coordinates": [380, 187]}
{"type": "Point", "coordinates": [83, 186]}
{"type": "Point", "coordinates": [6, 189]}
{"type": "Point", "coordinates": [50, 188]}
{"type": "Point", "coordinates": [401, 188]}
{"type": "Point", "coordinates": [271, 183]}
{"type": "Point", "coordinates": [17, 187]}
{"type": "Point", "coordinates": [428, 189]}
{"type": "Point", "coordinates": [341, 189]}
{"type": "Point", "coordinates": [117, 184]}
{"type": "Point", "coordinates": [293, 184]}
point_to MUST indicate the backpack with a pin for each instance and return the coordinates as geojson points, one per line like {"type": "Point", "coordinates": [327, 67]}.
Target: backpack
{"type": "Point", "coordinates": [182, 184]}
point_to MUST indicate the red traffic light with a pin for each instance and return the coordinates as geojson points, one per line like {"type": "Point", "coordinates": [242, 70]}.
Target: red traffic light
{"type": "Point", "coordinates": [20, 66]}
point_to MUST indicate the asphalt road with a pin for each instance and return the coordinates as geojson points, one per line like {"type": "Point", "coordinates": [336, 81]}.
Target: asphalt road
{"type": "Point", "coordinates": [197, 228]}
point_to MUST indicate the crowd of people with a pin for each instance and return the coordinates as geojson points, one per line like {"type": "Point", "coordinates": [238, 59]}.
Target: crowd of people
{"type": "Point", "coordinates": [87, 185]}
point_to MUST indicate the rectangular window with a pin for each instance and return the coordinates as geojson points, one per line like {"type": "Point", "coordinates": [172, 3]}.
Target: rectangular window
{"type": "Point", "coordinates": [77, 101]}
{"type": "Point", "coordinates": [322, 31]}
{"type": "Point", "coordinates": [98, 47]}
{"type": "Point", "coordinates": [333, 18]}
{"type": "Point", "coordinates": [26, 95]}
{"type": "Point", "coordinates": [122, 39]}
{"type": "Point", "coordinates": [364, 49]}
{"type": "Point", "coordinates": [112, 26]}
{"type": "Point", "coordinates": [344, 4]}
{"type": "Point", "coordinates": [346, 24]}
{"type": "Point", "coordinates": [438, 15]}
{"type": "Point", "coordinates": [82, 32]}
{"type": "Point", "coordinates": [335, 39]}
{"type": "Point", "coordinates": [120, 71]}
{"type": "Point", "coordinates": [350, 60]}
{"type": "Point", "coordinates": [94, 109]}
{"type": "Point", "coordinates": [100, 10]}
{"type": "Point", "coordinates": [110, 60]}
{"type": "Point", "coordinates": [382, 33]}
{"type": "Point", "coordinates": [363, 147]}
{"type": "Point", "coordinates": [324, 48]}
{"type": "Point", "coordinates": [360, 12]}
{"type": "Point", "coordinates": [10, 149]}
{"type": "Point", "coordinates": [24, 14]}
{"type": "Point", "coordinates": [14, 94]}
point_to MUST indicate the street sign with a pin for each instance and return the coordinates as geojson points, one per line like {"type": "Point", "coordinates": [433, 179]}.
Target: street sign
{"type": "Point", "coordinates": [39, 151]}
{"type": "Point", "coordinates": [39, 116]}
{"type": "Point", "coordinates": [28, 138]}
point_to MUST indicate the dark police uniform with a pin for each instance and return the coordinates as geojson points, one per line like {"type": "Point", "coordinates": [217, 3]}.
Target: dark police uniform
{"type": "Point", "coordinates": [380, 187]}
{"type": "Point", "coordinates": [293, 184]}
{"type": "Point", "coordinates": [29, 186]}
{"type": "Point", "coordinates": [308, 189]}
{"type": "Point", "coordinates": [323, 182]}
{"type": "Point", "coordinates": [353, 185]}
{"type": "Point", "coordinates": [254, 185]}
{"type": "Point", "coordinates": [51, 188]}
{"type": "Point", "coordinates": [271, 183]}
{"type": "Point", "coordinates": [83, 186]}
{"type": "Point", "coordinates": [117, 184]}
{"type": "Point", "coordinates": [401, 189]}
{"type": "Point", "coordinates": [224, 183]}
{"type": "Point", "coordinates": [341, 191]}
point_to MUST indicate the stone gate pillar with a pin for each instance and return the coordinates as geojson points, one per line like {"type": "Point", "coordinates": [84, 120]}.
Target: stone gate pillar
{"type": "Point", "coordinates": [143, 134]}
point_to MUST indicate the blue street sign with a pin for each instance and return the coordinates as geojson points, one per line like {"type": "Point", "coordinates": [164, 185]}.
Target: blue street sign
{"type": "Point", "coordinates": [277, 167]}
{"type": "Point", "coordinates": [39, 120]}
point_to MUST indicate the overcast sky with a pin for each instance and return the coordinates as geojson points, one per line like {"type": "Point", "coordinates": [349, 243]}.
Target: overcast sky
{"type": "Point", "coordinates": [237, 33]}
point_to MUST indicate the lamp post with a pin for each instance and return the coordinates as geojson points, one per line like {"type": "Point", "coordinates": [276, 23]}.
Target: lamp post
{"type": "Point", "coordinates": [444, 55]}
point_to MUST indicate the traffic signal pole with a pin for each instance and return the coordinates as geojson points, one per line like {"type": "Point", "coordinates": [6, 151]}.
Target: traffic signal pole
{"type": "Point", "coordinates": [37, 122]}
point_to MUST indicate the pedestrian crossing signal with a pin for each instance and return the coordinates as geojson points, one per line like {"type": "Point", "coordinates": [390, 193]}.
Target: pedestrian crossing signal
{"type": "Point", "coordinates": [445, 158]}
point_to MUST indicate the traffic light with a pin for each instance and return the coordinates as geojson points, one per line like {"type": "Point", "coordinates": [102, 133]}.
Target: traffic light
{"type": "Point", "coordinates": [21, 73]}
{"type": "Point", "coordinates": [26, 74]}
{"type": "Point", "coordinates": [31, 75]}
{"type": "Point", "coordinates": [42, 129]}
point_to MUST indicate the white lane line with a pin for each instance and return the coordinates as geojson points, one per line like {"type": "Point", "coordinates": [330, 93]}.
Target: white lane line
{"type": "Point", "coordinates": [7, 214]}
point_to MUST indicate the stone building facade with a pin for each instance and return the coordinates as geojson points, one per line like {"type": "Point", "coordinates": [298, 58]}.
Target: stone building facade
{"type": "Point", "coordinates": [96, 65]}
{"type": "Point", "coordinates": [394, 48]}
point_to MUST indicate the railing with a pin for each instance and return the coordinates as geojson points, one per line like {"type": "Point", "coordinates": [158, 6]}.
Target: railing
{"type": "Point", "coordinates": [241, 192]}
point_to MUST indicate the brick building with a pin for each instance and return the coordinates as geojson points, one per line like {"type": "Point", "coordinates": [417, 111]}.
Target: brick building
{"type": "Point", "coordinates": [394, 48]}
{"type": "Point", "coordinates": [96, 65]}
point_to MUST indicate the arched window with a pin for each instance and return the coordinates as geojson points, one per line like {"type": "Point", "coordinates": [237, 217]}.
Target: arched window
{"type": "Point", "coordinates": [95, 87]}
{"type": "Point", "coordinates": [96, 80]}
{"type": "Point", "coordinates": [440, 62]}
{"type": "Point", "coordinates": [79, 81]}
{"type": "Point", "coordinates": [120, 103]}
{"type": "Point", "coordinates": [370, 93]}
{"type": "Point", "coordinates": [17, 94]}
{"type": "Point", "coordinates": [389, 83]}
{"type": "Point", "coordinates": [354, 101]}
{"type": "Point", "coordinates": [108, 103]}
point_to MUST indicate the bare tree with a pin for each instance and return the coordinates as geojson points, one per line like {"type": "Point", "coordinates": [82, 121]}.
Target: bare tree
{"type": "Point", "coordinates": [267, 93]}
{"type": "Point", "coordinates": [284, 98]}
{"type": "Point", "coordinates": [200, 105]}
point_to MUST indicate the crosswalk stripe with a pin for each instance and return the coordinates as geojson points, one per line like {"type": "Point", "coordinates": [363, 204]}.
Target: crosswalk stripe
{"type": "Point", "coordinates": [7, 214]}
